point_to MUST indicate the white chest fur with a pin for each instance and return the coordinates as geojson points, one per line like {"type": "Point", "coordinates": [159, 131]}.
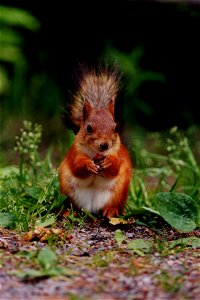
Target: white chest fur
{"type": "Point", "coordinates": [92, 193]}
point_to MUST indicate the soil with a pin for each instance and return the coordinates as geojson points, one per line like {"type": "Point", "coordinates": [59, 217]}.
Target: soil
{"type": "Point", "coordinates": [100, 267]}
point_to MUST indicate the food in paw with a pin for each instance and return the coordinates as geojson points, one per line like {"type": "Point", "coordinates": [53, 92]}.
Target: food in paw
{"type": "Point", "coordinates": [98, 158]}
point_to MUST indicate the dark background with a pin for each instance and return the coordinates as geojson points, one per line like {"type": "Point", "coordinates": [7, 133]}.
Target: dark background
{"type": "Point", "coordinates": [78, 31]}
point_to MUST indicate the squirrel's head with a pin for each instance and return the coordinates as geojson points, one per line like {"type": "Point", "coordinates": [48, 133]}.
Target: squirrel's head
{"type": "Point", "coordinates": [98, 129]}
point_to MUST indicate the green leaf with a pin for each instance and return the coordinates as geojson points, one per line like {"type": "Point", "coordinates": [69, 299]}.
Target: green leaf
{"type": "Point", "coordinates": [140, 246]}
{"type": "Point", "coordinates": [34, 192]}
{"type": "Point", "coordinates": [7, 219]}
{"type": "Point", "coordinates": [32, 273]}
{"type": "Point", "coordinates": [196, 243]}
{"type": "Point", "coordinates": [178, 209]}
{"type": "Point", "coordinates": [139, 252]}
{"type": "Point", "coordinates": [46, 258]}
{"type": "Point", "coordinates": [8, 171]}
{"type": "Point", "coordinates": [119, 237]}
{"type": "Point", "coordinates": [58, 270]}
{"type": "Point", "coordinates": [28, 273]}
{"type": "Point", "coordinates": [191, 241]}
{"type": "Point", "coordinates": [18, 17]}
{"type": "Point", "coordinates": [47, 222]}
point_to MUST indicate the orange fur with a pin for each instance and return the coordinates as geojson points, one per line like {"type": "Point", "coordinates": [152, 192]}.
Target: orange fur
{"type": "Point", "coordinates": [96, 170]}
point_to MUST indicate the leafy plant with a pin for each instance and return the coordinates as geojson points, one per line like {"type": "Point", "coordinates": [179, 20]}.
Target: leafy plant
{"type": "Point", "coordinates": [27, 147]}
{"type": "Point", "coordinates": [29, 193]}
{"type": "Point", "coordinates": [48, 266]}
{"type": "Point", "coordinates": [178, 209]}
{"type": "Point", "coordinates": [76, 218]}
{"type": "Point", "coordinates": [136, 76]}
{"type": "Point", "coordinates": [164, 247]}
{"type": "Point", "coordinates": [119, 237]}
{"type": "Point", "coordinates": [168, 184]}
{"type": "Point", "coordinates": [140, 246]}
{"type": "Point", "coordinates": [12, 22]}
{"type": "Point", "coordinates": [24, 82]}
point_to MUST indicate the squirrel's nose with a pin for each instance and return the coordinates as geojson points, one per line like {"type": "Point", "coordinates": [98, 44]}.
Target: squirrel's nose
{"type": "Point", "coordinates": [103, 146]}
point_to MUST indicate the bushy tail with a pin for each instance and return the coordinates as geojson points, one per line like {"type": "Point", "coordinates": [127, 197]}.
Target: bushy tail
{"type": "Point", "coordinates": [98, 86]}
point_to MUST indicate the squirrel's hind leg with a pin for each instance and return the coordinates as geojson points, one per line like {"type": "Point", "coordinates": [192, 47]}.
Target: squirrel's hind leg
{"type": "Point", "coordinates": [115, 206]}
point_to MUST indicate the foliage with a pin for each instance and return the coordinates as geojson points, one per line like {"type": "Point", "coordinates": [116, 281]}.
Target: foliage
{"type": "Point", "coordinates": [12, 23]}
{"type": "Point", "coordinates": [27, 147]}
{"type": "Point", "coordinates": [142, 246]}
{"type": "Point", "coordinates": [136, 76]}
{"type": "Point", "coordinates": [119, 237]}
{"type": "Point", "coordinates": [167, 184]}
{"type": "Point", "coordinates": [178, 209]}
{"type": "Point", "coordinates": [30, 193]}
{"type": "Point", "coordinates": [47, 263]}
{"type": "Point", "coordinates": [25, 85]}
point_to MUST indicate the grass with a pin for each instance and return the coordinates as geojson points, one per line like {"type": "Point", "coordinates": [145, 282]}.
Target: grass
{"type": "Point", "coordinates": [175, 168]}
{"type": "Point", "coordinates": [30, 192]}
{"type": "Point", "coordinates": [168, 179]}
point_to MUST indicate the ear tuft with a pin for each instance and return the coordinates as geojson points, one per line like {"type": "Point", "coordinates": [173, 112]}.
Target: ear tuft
{"type": "Point", "coordinates": [111, 106]}
{"type": "Point", "coordinates": [86, 110]}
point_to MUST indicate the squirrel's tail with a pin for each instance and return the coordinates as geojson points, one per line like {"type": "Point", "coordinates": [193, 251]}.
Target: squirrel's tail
{"type": "Point", "coordinates": [99, 86]}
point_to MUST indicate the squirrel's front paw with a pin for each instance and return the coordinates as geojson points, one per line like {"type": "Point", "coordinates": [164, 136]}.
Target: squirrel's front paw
{"type": "Point", "coordinates": [92, 167]}
{"type": "Point", "coordinates": [106, 163]}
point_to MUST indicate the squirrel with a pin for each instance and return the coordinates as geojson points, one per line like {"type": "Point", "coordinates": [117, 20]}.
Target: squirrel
{"type": "Point", "coordinates": [96, 171]}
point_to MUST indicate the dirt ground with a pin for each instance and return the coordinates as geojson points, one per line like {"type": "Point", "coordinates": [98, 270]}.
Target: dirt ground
{"type": "Point", "coordinates": [100, 268]}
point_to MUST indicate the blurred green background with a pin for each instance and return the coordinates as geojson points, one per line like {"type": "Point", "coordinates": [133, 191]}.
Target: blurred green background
{"type": "Point", "coordinates": [41, 43]}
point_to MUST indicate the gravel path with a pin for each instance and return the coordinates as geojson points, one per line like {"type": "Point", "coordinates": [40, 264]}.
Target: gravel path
{"type": "Point", "coordinates": [101, 269]}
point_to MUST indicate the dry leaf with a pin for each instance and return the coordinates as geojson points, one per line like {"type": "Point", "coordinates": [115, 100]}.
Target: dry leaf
{"type": "Point", "coordinates": [116, 221]}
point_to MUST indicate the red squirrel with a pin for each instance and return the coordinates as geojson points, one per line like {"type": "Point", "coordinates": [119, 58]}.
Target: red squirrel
{"type": "Point", "coordinates": [96, 171]}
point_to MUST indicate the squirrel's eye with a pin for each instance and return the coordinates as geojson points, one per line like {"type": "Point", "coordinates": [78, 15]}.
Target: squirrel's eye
{"type": "Point", "coordinates": [89, 128]}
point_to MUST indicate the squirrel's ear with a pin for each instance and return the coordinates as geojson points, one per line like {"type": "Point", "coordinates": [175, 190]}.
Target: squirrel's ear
{"type": "Point", "coordinates": [111, 106]}
{"type": "Point", "coordinates": [86, 109]}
